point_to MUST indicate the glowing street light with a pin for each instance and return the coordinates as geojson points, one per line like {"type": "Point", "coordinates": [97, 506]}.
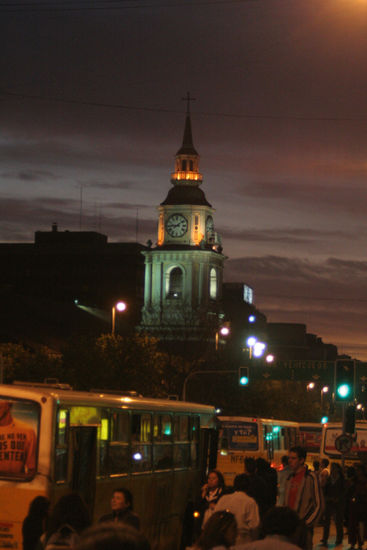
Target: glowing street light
{"type": "Point", "coordinates": [224, 330]}
{"type": "Point", "coordinates": [310, 386]}
{"type": "Point", "coordinates": [251, 341]}
{"type": "Point", "coordinates": [270, 358]}
{"type": "Point", "coordinates": [119, 306]}
{"type": "Point", "coordinates": [258, 349]}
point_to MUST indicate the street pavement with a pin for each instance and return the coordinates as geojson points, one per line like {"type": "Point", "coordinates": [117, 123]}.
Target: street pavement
{"type": "Point", "coordinates": [317, 536]}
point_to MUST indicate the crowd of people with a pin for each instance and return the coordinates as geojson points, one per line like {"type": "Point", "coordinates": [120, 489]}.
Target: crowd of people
{"type": "Point", "coordinates": [264, 510]}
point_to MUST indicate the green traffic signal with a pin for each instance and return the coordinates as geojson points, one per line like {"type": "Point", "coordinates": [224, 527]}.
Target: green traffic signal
{"type": "Point", "coordinates": [344, 379]}
{"type": "Point", "coordinates": [243, 376]}
{"type": "Point", "coordinates": [343, 391]}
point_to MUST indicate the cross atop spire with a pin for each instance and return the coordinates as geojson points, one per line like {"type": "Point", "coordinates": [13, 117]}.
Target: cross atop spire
{"type": "Point", "coordinates": [188, 98]}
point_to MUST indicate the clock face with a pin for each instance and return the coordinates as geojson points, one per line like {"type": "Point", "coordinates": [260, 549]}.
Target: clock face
{"type": "Point", "coordinates": [209, 225]}
{"type": "Point", "coordinates": [176, 225]}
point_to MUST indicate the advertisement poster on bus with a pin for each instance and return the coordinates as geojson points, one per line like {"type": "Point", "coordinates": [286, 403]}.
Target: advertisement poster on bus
{"type": "Point", "coordinates": [359, 441]}
{"type": "Point", "coordinates": [19, 421]}
{"type": "Point", "coordinates": [239, 435]}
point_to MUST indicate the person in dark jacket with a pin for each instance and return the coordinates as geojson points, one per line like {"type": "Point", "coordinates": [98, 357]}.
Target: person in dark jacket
{"type": "Point", "coordinates": [258, 488]}
{"type": "Point", "coordinates": [357, 504]}
{"type": "Point", "coordinates": [122, 509]}
{"type": "Point", "coordinates": [334, 493]}
{"type": "Point", "coordinates": [270, 477]}
{"type": "Point", "coordinates": [35, 523]}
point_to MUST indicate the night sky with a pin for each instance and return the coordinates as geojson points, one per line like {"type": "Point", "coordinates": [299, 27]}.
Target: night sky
{"type": "Point", "coordinates": [91, 107]}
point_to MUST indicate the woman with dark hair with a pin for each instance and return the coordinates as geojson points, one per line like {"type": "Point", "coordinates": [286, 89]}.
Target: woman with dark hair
{"type": "Point", "coordinates": [68, 520]}
{"type": "Point", "coordinates": [35, 523]}
{"type": "Point", "coordinates": [112, 536]}
{"type": "Point", "coordinates": [211, 492]}
{"type": "Point", "coordinates": [219, 530]}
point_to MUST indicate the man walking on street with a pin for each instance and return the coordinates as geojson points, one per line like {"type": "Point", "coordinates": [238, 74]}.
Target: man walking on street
{"type": "Point", "coordinates": [303, 492]}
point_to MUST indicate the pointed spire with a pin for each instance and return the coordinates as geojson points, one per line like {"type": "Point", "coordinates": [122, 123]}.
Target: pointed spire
{"type": "Point", "coordinates": [187, 147]}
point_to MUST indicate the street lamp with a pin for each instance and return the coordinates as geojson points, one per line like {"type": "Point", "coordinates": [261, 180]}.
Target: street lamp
{"type": "Point", "coordinates": [223, 331]}
{"type": "Point", "coordinates": [119, 306]}
{"type": "Point", "coordinates": [324, 390]}
{"type": "Point", "coordinates": [250, 342]}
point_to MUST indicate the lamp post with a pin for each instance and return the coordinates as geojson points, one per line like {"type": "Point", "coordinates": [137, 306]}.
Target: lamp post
{"type": "Point", "coordinates": [223, 331]}
{"type": "Point", "coordinates": [119, 306]}
{"type": "Point", "coordinates": [324, 390]}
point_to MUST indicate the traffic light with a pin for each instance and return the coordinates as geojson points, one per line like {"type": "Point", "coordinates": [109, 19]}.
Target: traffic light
{"type": "Point", "coordinates": [344, 380]}
{"type": "Point", "coordinates": [243, 376]}
{"type": "Point", "coordinates": [349, 420]}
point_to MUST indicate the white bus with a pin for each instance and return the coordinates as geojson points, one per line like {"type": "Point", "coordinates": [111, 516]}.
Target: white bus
{"type": "Point", "coordinates": [240, 437]}
{"type": "Point", "coordinates": [54, 440]}
{"type": "Point", "coordinates": [358, 451]}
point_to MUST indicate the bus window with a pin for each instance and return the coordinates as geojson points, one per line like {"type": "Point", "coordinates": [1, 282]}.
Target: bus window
{"type": "Point", "coordinates": [162, 442]}
{"type": "Point", "coordinates": [277, 438]}
{"type": "Point", "coordinates": [194, 435]}
{"type": "Point", "coordinates": [61, 444]}
{"type": "Point", "coordinates": [18, 438]}
{"type": "Point", "coordinates": [268, 441]}
{"type": "Point", "coordinates": [141, 446]}
{"type": "Point", "coordinates": [181, 448]}
{"type": "Point", "coordinates": [118, 450]}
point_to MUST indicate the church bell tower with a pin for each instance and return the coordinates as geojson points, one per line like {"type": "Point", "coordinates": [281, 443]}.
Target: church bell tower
{"type": "Point", "coordinates": [184, 272]}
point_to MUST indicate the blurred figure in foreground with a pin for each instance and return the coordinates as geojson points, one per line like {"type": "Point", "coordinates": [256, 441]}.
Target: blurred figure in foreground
{"type": "Point", "coordinates": [280, 527]}
{"type": "Point", "coordinates": [220, 530]}
{"type": "Point", "coordinates": [35, 523]}
{"type": "Point", "coordinates": [112, 536]}
{"type": "Point", "coordinates": [67, 521]}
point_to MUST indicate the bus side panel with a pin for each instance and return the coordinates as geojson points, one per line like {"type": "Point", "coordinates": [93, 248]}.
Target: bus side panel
{"type": "Point", "coordinates": [13, 511]}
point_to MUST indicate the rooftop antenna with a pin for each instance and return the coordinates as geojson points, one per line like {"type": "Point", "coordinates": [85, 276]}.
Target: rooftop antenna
{"type": "Point", "coordinates": [81, 207]}
{"type": "Point", "coordinates": [100, 218]}
{"type": "Point", "coordinates": [137, 224]}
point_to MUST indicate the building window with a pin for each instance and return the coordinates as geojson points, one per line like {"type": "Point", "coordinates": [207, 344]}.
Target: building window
{"type": "Point", "coordinates": [213, 284]}
{"type": "Point", "coordinates": [184, 165]}
{"type": "Point", "coordinates": [175, 283]}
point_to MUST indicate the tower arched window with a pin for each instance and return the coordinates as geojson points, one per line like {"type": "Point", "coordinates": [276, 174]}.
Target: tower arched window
{"type": "Point", "coordinates": [184, 165]}
{"type": "Point", "coordinates": [175, 283]}
{"type": "Point", "coordinates": [213, 284]}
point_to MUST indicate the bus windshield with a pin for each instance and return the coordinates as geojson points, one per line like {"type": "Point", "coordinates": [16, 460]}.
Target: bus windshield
{"type": "Point", "coordinates": [239, 435]}
{"type": "Point", "coordinates": [19, 421]}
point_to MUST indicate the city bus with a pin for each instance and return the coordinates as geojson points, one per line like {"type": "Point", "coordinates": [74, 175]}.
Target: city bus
{"type": "Point", "coordinates": [310, 438]}
{"type": "Point", "coordinates": [240, 437]}
{"type": "Point", "coordinates": [54, 440]}
{"type": "Point", "coordinates": [358, 451]}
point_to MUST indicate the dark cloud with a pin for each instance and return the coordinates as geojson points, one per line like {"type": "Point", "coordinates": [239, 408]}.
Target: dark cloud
{"type": "Point", "coordinates": [284, 235]}
{"type": "Point", "coordinates": [329, 296]}
{"type": "Point", "coordinates": [29, 175]}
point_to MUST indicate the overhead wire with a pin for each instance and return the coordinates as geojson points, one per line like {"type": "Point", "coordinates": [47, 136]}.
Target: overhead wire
{"type": "Point", "coordinates": [175, 111]}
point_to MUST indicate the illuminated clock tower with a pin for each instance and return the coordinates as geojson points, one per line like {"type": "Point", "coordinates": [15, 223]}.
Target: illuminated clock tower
{"type": "Point", "coordinates": [184, 272]}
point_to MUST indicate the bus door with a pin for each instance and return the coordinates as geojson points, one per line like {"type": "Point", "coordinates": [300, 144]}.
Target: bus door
{"type": "Point", "coordinates": [83, 444]}
{"type": "Point", "coordinates": [208, 451]}
{"type": "Point", "coordinates": [268, 441]}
